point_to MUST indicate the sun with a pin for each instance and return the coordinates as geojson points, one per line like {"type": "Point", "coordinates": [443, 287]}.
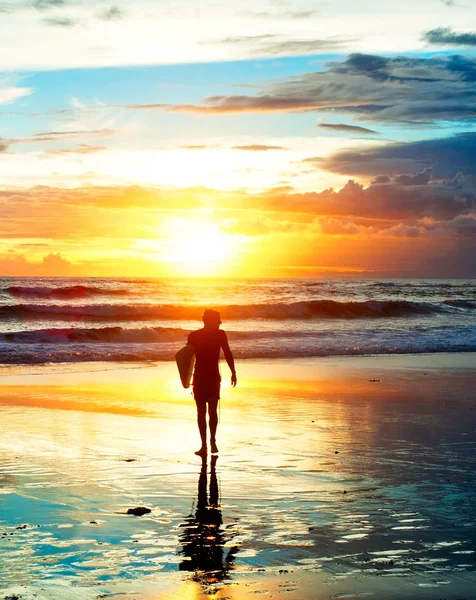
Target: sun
{"type": "Point", "coordinates": [197, 246]}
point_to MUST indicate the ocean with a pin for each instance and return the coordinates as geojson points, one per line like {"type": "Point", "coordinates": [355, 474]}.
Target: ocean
{"type": "Point", "coordinates": [54, 320]}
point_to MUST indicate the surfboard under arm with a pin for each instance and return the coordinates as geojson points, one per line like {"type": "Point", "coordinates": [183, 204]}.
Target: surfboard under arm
{"type": "Point", "coordinates": [185, 359]}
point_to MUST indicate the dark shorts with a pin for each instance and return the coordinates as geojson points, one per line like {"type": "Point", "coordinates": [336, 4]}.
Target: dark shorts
{"type": "Point", "coordinates": [206, 390]}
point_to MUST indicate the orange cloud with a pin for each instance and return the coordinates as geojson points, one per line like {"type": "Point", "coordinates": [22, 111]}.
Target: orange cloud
{"type": "Point", "coordinates": [120, 230]}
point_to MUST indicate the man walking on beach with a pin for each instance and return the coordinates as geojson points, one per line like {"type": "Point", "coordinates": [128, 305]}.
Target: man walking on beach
{"type": "Point", "coordinates": [208, 342]}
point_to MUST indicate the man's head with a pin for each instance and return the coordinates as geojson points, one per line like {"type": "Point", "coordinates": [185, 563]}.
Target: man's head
{"type": "Point", "coordinates": [211, 318]}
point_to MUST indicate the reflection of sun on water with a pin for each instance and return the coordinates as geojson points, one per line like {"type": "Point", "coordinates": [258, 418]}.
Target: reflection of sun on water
{"type": "Point", "coordinates": [198, 246]}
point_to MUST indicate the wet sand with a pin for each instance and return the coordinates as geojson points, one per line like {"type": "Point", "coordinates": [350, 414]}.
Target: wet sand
{"type": "Point", "coordinates": [328, 484]}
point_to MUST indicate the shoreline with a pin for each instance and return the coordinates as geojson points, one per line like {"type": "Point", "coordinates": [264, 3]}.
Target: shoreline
{"type": "Point", "coordinates": [302, 368]}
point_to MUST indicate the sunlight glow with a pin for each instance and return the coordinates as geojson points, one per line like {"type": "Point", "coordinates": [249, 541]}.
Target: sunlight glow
{"type": "Point", "coordinates": [198, 246]}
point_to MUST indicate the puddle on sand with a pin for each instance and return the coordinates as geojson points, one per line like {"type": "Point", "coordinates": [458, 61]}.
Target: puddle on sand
{"type": "Point", "coordinates": [359, 511]}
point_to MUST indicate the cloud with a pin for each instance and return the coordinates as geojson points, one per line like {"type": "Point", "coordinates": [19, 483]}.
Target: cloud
{"type": "Point", "coordinates": [146, 106]}
{"type": "Point", "coordinates": [300, 47]}
{"type": "Point", "coordinates": [421, 178]}
{"type": "Point", "coordinates": [444, 36]}
{"type": "Point", "coordinates": [379, 203]}
{"type": "Point", "coordinates": [398, 89]}
{"type": "Point", "coordinates": [80, 149]}
{"type": "Point", "coordinates": [446, 156]}
{"type": "Point", "coordinates": [114, 13]}
{"type": "Point", "coordinates": [46, 4]}
{"type": "Point", "coordinates": [332, 226]}
{"type": "Point", "coordinates": [56, 136]}
{"type": "Point", "coordinates": [61, 21]}
{"type": "Point", "coordinates": [3, 145]}
{"type": "Point", "coordinates": [9, 94]}
{"type": "Point", "coordinates": [347, 128]}
{"type": "Point", "coordinates": [258, 147]}
{"type": "Point", "coordinates": [128, 197]}
{"type": "Point", "coordinates": [385, 226]}
{"type": "Point", "coordinates": [287, 14]}
{"type": "Point", "coordinates": [53, 264]}
{"type": "Point", "coordinates": [463, 224]}
{"type": "Point", "coordinates": [199, 147]}
{"type": "Point", "coordinates": [381, 179]}
{"type": "Point", "coordinates": [76, 102]}
{"type": "Point", "coordinates": [272, 44]}
{"type": "Point", "coordinates": [403, 230]}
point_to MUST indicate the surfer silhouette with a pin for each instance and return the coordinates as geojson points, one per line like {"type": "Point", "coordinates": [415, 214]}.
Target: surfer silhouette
{"type": "Point", "coordinates": [207, 343]}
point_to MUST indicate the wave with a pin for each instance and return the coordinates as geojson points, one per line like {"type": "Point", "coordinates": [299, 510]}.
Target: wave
{"type": "Point", "coordinates": [143, 335]}
{"type": "Point", "coordinates": [110, 352]}
{"type": "Point", "coordinates": [99, 334]}
{"type": "Point", "coordinates": [70, 292]}
{"type": "Point", "coordinates": [419, 285]}
{"type": "Point", "coordinates": [314, 309]}
{"type": "Point", "coordinates": [461, 303]}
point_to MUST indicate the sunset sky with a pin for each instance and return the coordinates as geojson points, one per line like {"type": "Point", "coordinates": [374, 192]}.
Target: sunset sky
{"type": "Point", "coordinates": [302, 139]}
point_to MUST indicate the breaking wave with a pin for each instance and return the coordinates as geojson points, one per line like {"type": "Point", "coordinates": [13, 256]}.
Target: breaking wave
{"type": "Point", "coordinates": [313, 309]}
{"type": "Point", "coordinates": [126, 335]}
{"type": "Point", "coordinates": [63, 293]}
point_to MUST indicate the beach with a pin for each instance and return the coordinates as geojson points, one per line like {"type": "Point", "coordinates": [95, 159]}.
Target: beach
{"type": "Point", "coordinates": [337, 477]}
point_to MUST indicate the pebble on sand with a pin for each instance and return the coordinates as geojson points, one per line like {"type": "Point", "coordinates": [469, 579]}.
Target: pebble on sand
{"type": "Point", "coordinates": [138, 511]}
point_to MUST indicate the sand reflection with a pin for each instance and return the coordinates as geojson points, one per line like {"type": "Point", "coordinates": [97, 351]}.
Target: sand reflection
{"type": "Point", "coordinates": [206, 550]}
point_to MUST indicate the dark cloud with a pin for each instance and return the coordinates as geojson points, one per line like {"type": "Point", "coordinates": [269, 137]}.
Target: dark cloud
{"type": "Point", "coordinates": [258, 147]}
{"type": "Point", "coordinates": [463, 224]}
{"type": "Point", "coordinates": [3, 145]}
{"type": "Point", "coordinates": [114, 13]}
{"type": "Point", "coordinates": [61, 21]}
{"type": "Point", "coordinates": [457, 181]}
{"type": "Point", "coordinates": [391, 202]}
{"type": "Point", "coordinates": [422, 178]}
{"type": "Point", "coordinates": [447, 156]}
{"type": "Point", "coordinates": [374, 88]}
{"type": "Point", "coordinates": [347, 128]}
{"type": "Point", "coordinates": [444, 36]}
{"type": "Point", "coordinates": [381, 179]}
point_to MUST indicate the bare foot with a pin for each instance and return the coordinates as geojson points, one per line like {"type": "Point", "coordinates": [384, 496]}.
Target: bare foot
{"type": "Point", "coordinates": [214, 448]}
{"type": "Point", "coordinates": [202, 451]}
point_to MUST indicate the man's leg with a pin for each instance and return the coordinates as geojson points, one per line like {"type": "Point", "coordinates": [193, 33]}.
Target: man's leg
{"type": "Point", "coordinates": [213, 422]}
{"type": "Point", "coordinates": [202, 425]}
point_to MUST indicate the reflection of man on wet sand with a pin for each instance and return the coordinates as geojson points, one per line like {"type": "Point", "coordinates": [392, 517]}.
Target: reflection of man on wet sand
{"type": "Point", "coordinates": [208, 342]}
{"type": "Point", "coordinates": [202, 538]}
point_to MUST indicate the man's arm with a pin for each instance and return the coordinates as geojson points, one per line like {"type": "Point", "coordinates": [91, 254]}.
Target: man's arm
{"type": "Point", "coordinates": [229, 358]}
